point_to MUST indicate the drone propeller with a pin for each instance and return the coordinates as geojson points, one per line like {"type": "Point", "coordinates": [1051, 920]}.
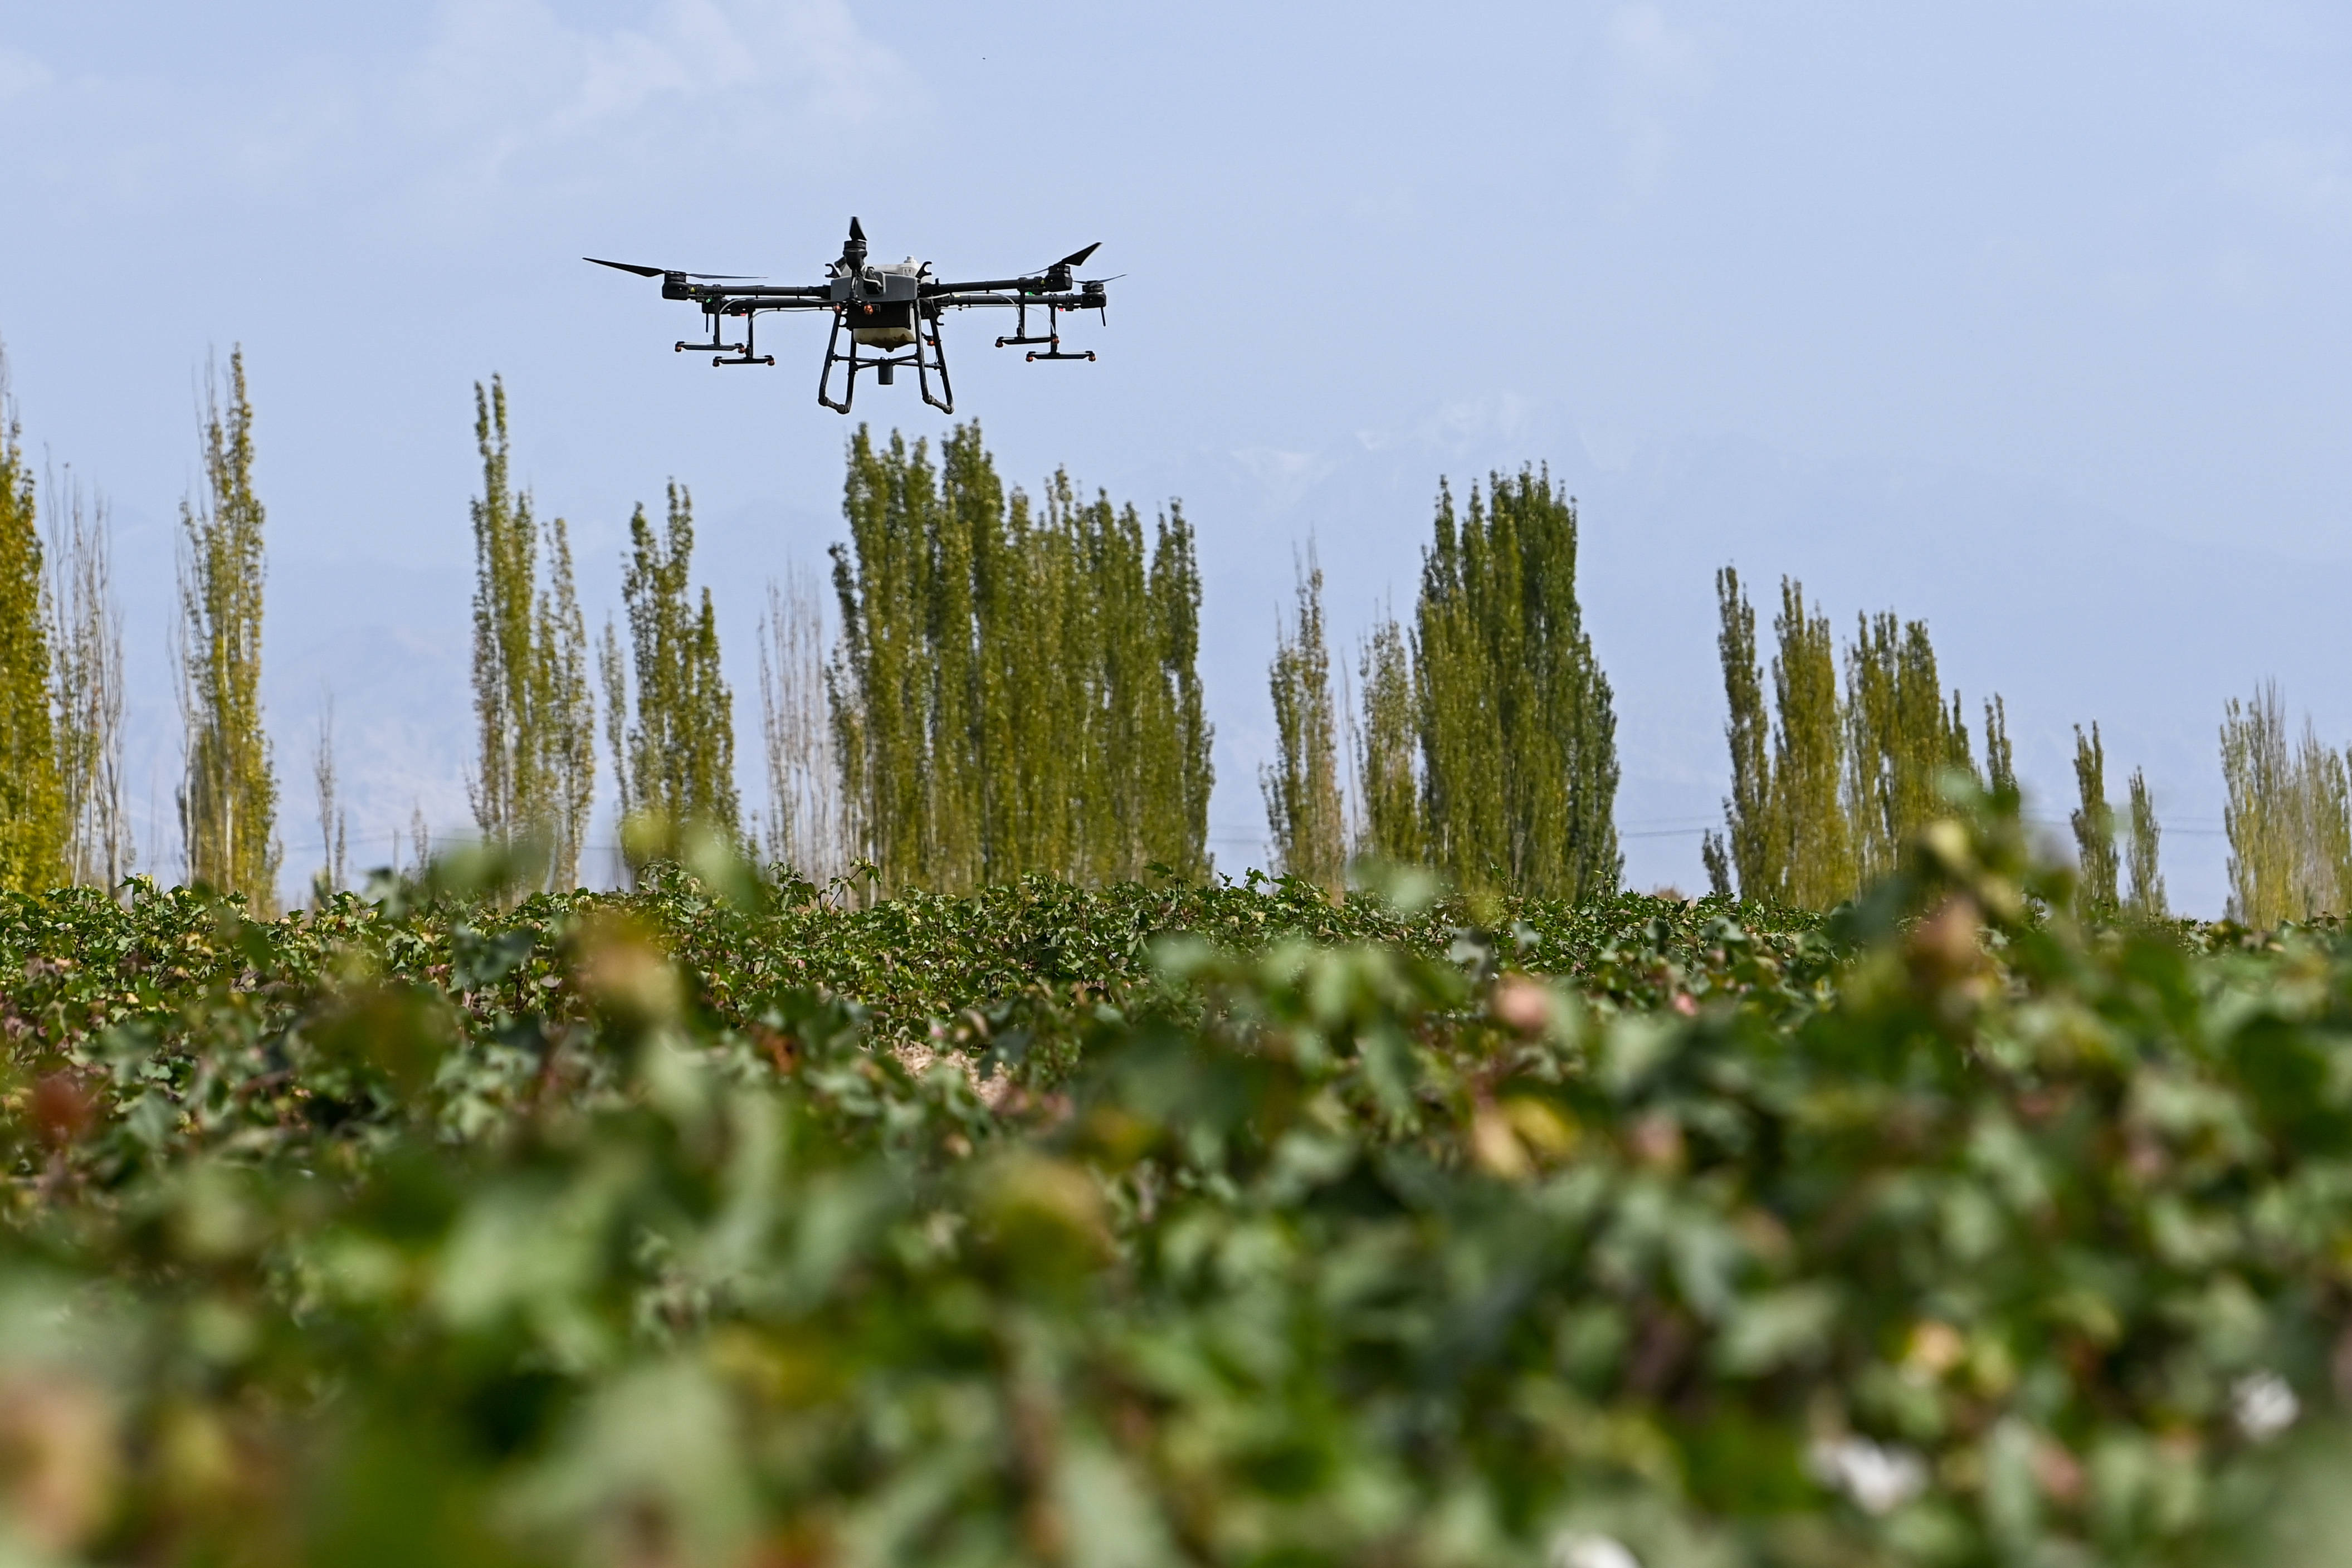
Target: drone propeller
{"type": "Point", "coordinates": [663, 271]}
{"type": "Point", "coordinates": [1076, 258]}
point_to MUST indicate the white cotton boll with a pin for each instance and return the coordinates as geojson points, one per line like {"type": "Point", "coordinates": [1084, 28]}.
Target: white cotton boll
{"type": "Point", "coordinates": [1584, 1550]}
{"type": "Point", "coordinates": [1879, 1479]}
{"type": "Point", "coordinates": [2263, 1405]}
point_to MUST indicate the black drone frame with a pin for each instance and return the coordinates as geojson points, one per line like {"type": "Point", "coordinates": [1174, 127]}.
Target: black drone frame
{"type": "Point", "coordinates": [887, 300]}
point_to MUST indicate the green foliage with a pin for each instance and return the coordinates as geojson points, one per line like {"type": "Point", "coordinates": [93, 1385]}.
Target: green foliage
{"type": "Point", "coordinates": [1757, 827]}
{"type": "Point", "coordinates": [2000, 757]}
{"type": "Point", "coordinates": [1304, 814]}
{"type": "Point", "coordinates": [1518, 736]}
{"type": "Point", "coordinates": [33, 826]}
{"type": "Point", "coordinates": [1386, 747]}
{"type": "Point", "coordinates": [2093, 822]}
{"type": "Point", "coordinates": [1808, 743]}
{"type": "Point", "coordinates": [2145, 893]}
{"type": "Point", "coordinates": [2289, 816]}
{"type": "Point", "coordinates": [721, 1224]}
{"type": "Point", "coordinates": [534, 713]}
{"type": "Point", "coordinates": [86, 642]}
{"type": "Point", "coordinates": [673, 750]}
{"type": "Point", "coordinates": [1788, 838]}
{"type": "Point", "coordinates": [1901, 738]}
{"type": "Point", "coordinates": [228, 797]}
{"type": "Point", "coordinates": [1016, 690]}
{"type": "Point", "coordinates": [1826, 788]}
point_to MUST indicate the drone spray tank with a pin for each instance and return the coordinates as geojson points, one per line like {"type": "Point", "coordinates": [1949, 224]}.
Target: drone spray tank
{"type": "Point", "coordinates": [877, 303]}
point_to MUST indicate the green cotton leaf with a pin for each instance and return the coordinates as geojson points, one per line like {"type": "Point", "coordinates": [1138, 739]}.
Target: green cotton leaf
{"type": "Point", "coordinates": [1633, 1047]}
{"type": "Point", "coordinates": [654, 1455]}
{"type": "Point", "coordinates": [1765, 1332]}
{"type": "Point", "coordinates": [1108, 1516]}
{"type": "Point", "coordinates": [151, 1118]}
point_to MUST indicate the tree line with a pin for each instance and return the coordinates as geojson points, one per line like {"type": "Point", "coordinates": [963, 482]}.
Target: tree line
{"type": "Point", "coordinates": [1005, 684]}
{"type": "Point", "coordinates": [1485, 745]}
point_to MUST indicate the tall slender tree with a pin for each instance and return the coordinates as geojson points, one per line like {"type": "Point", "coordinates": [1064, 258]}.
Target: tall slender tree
{"type": "Point", "coordinates": [2000, 757]}
{"type": "Point", "coordinates": [1304, 812]}
{"type": "Point", "coordinates": [1808, 758]}
{"type": "Point", "coordinates": [1755, 843]}
{"type": "Point", "coordinates": [1014, 688]}
{"type": "Point", "coordinates": [2259, 813]}
{"type": "Point", "coordinates": [229, 796]}
{"type": "Point", "coordinates": [1826, 786]}
{"type": "Point", "coordinates": [1388, 749]}
{"type": "Point", "coordinates": [86, 639]}
{"type": "Point", "coordinates": [805, 825]}
{"type": "Point", "coordinates": [2323, 824]}
{"type": "Point", "coordinates": [1900, 738]}
{"type": "Point", "coordinates": [1518, 728]}
{"type": "Point", "coordinates": [334, 821]}
{"type": "Point", "coordinates": [2289, 815]}
{"type": "Point", "coordinates": [677, 751]}
{"type": "Point", "coordinates": [32, 819]}
{"type": "Point", "coordinates": [2144, 889]}
{"type": "Point", "coordinates": [534, 712]}
{"type": "Point", "coordinates": [2093, 822]}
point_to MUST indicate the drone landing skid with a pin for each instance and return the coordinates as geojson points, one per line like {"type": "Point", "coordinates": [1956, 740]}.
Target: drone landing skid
{"type": "Point", "coordinates": [742, 353]}
{"type": "Point", "coordinates": [1052, 339]}
{"type": "Point", "coordinates": [886, 367]}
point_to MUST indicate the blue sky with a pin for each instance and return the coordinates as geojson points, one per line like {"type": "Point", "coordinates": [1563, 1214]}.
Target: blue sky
{"type": "Point", "coordinates": [2030, 320]}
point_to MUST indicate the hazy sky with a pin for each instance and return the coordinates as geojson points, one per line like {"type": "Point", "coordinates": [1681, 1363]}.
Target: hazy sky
{"type": "Point", "coordinates": [2029, 319]}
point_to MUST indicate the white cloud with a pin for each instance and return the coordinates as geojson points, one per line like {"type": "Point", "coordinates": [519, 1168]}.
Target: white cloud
{"type": "Point", "coordinates": [2299, 177]}
{"type": "Point", "coordinates": [20, 73]}
{"type": "Point", "coordinates": [1285, 477]}
{"type": "Point", "coordinates": [512, 76]}
{"type": "Point", "coordinates": [1657, 66]}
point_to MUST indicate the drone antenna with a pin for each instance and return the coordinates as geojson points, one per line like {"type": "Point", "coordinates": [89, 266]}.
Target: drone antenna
{"type": "Point", "coordinates": [853, 254]}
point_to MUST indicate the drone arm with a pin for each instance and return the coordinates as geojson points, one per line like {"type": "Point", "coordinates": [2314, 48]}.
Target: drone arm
{"type": "Point", "coordinates": [1033, 286]}
{"type": "Point", "coordinates": [966, 296]}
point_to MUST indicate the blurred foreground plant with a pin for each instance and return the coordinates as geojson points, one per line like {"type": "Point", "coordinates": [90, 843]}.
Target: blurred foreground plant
{"type": "Point", "coordinates": [721, 1224]}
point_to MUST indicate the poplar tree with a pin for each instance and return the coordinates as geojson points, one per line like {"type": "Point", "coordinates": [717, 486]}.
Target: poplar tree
{"type": "Point", "coordinates": [1755, 845]}
{"type": "Point", "coordinates": [334, 823]}
{"type": "Point", "coordinates": [1388, 748]}
{"type": "Point", "coordinates": [2324, 796]}
{"type": "Point", "coordinates": [1808, 758]}
{"type": "Point", "coordinates": [534, 712]}
{"type": "Point", "coordinates": [2093, 822]}
{"type": "Point", "coordinates": [33, 821]}
{"type": "Point", "coordinates": [86, 643]}
{"type": "Point", "coordinates": [2143, 894]}
{"type": "Point", "coordinates": [2000, 757]}
{"type": "Point", "coordinates": [674, 743]}
{"type": "Point", "coordinates": [1518, 735]}
{"type": "Point", "coordinates": [1901, 738]}
{"type": "Point", "coordinates": [1016, 687]}
{"type": "Point", "coordinates": [2289, 816]}
{"type": "Point", "coordinates": [1826, 788]}
{"type": "Point", "coordinates": [229, 796]}
{"type": "Point", "coordinates": [1303, 809]}
{"type": "Point", "coordinates": [805, 826]}
{"type": "Point", "coordinates": [2259, 813]}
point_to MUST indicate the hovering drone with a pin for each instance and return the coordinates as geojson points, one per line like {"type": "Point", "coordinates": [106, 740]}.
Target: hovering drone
{"type": "Point", "coordinates": [884, 307]}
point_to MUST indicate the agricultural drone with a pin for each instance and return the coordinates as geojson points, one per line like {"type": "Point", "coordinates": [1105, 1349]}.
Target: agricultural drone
{"type": "Point", "coordinates": [884, 307]}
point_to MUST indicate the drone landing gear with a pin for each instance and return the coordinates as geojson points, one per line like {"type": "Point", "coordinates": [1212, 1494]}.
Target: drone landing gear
{"type": "Point", "coordinates": [714, 346]}
{"type": "Point", "coordinates": [744, 354]}
{"type": "Point", "coordinates": [1053, 337]}
{"type": "Point", "coordinates": [886, 367]}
